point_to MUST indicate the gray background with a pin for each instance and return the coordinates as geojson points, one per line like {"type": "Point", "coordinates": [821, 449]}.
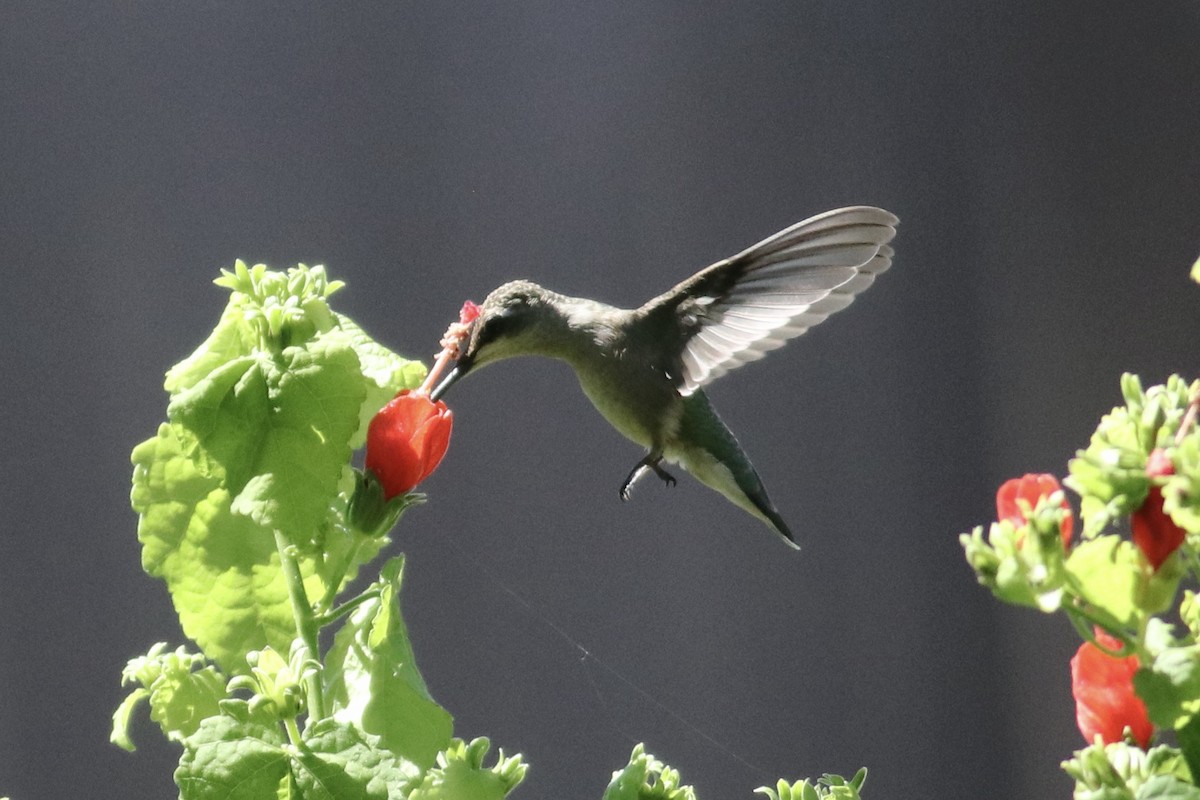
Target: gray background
{"type": "Point", "coordinates": [1043, 157]}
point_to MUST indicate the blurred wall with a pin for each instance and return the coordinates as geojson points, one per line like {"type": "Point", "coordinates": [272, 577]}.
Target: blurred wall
{"type": "Point", "coordinates": [1044, 161]}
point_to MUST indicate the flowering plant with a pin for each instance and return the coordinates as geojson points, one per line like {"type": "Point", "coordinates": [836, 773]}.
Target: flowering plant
{"type": "Point", "coordinates": [252, 513]}
{"type": "Point", "coordinates": [1128, 584]}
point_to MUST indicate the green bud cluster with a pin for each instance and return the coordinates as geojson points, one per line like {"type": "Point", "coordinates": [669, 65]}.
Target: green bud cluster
{"type": "Point", "coordinates": [276, 685]}
{"type": "Point", "coordinates": [182, 689]}
{"type": "Point", "coordinates": [647, 778]}
{"type": "Point", "coordinates": [1110, 475]}
{"type": "Point", "coordinates": [1023, 565]}
{"type": "Point", "coordinates": [1123, 771]}
{"type": "Point", "coordinates": [827, 787]}
{"type": "Point", "coordinates": [281, 306]}
{"type": "Point", "coordinates": [460, 773]}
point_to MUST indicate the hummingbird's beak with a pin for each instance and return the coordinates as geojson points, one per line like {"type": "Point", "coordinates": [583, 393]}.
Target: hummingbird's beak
{"type": "Point", "coordinates": [461, 368]}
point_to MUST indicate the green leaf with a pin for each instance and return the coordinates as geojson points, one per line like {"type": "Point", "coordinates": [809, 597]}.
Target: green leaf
{"type": "Point", "coordinates": [262, 443]}
{"type": "Point", "coordinates": [231, 339]}
{"type": "Point", "coordinates": [339, 762]}
{"type": "Point", "coordinates": [179, 703]}
{"type": "Point", "coordinates": [223, 419]}
{"type": "Point", "coordinates": [1188, 737]}
{"type": "Point", "coordinates": [1105, 572]}
{"type": "Point", "coordinates": [1170, 686]}
{"type": "Point", "coordinates": [278, 429]}
{"type": "Point", "coordinates": [373, 678]}
{"type": "Point", "coordinates": [227, 759]}
{"type": "Point", "coordinates": [230, 760]}
{"type": "Point", "coordinates": [221, 568]}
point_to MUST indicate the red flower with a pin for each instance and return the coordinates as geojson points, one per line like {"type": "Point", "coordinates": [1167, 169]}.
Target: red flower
{"type": "Point", "coordinates": [1154, 532]}
{"type": "Point", "coordinates": [1031, 488]}
{"type": "Point", "coordinates": [406, 441]}
{"type": "Point", "coordinates": [1105, 702]}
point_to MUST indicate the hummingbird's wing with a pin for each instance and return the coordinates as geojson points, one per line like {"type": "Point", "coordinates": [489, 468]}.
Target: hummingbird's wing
{"type": "Point", "coordinates": [741, 308]}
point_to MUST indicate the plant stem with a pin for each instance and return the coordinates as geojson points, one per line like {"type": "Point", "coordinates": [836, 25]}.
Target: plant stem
{"type": "Point", "coordinates": [345, 608]}
{"type": "Point", "coordinates": [335, 580]}
{"type": "Point", "coordinates": [293, 732]}
{"type": "Point", "coordinates": [1084, 620]}
{"type": "Point", "coordinates": [307, 627]}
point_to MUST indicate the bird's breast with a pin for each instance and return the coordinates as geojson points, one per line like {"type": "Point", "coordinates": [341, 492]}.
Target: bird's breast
{"type": "Point", "coordinates": [637, 400]}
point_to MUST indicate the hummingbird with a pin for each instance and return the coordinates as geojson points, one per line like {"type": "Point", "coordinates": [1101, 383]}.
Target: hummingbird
{"type": "Point", "coordinates": [645, 368]}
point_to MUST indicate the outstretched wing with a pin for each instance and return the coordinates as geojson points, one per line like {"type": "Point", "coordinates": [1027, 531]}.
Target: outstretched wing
{"type": "Point", "coordinates": [741, 308]}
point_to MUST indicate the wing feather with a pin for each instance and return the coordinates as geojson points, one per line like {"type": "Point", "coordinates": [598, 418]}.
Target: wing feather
{"type": "Point", "coordinates": [739, 309]}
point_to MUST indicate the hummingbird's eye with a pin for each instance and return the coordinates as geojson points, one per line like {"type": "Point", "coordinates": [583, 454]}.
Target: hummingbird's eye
{"type": "Point", "coordinates": [499, 325]}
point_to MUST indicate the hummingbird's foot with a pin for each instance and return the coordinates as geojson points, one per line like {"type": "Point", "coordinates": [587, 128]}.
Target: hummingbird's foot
{"type": "Point", "coordinates": [666, 477]}
{"type": "Point", "coordinates": [650, 462]}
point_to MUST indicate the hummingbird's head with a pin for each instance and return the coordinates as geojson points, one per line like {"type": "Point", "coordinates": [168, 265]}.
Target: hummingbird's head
{"type": "Point", "coordinates": [507, 326]}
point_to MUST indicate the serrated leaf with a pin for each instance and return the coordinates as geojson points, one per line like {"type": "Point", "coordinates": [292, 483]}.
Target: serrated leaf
{"type": "Point", "coordinates": [229, 760]}
{"type": "Point", "coordinates": [231, 339]}
{"type": "Point", "coordinates": [374, 682]}
{"type": "Point", "coordinates": [260, 444]}
{"type": "Point", "coordinates": [221, 568]}
{"type": "Point", "coordinates": [339, 762]}
{"type": "Point", "coordinates": [280, 428]}
{"type": "Point", "coordinates": [222, 419]}
{"type": "Point", "coordinates": [179, 703]}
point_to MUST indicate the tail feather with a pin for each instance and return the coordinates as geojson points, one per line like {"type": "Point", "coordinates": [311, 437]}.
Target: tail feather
{"type": "Point", "coordinates": [710, 452]}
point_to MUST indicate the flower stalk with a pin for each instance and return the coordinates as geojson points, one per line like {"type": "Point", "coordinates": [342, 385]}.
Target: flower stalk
{"type": "Point", "coordinates": [307, 625]}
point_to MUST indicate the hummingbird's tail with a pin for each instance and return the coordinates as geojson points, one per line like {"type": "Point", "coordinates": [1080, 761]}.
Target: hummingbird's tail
{"type": "Point", "coordinates": [713, 456]}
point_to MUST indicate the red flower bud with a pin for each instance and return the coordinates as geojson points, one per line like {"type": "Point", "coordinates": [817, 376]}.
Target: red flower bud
{"type": "Point", "coordinates": [1154, 532]}
{"type": "Point", "coordinates": [1031, 488]}
{"type": "Point", "coordinates": [406, 441]}
{"type": "Point", "coordinates": [1105, 702]}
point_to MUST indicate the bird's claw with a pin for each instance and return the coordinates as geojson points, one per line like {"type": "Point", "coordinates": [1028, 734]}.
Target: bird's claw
{"type": "Point", "coordinates": [640, 470]}
{"type": "Point", "coordinates": [666, 477]}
